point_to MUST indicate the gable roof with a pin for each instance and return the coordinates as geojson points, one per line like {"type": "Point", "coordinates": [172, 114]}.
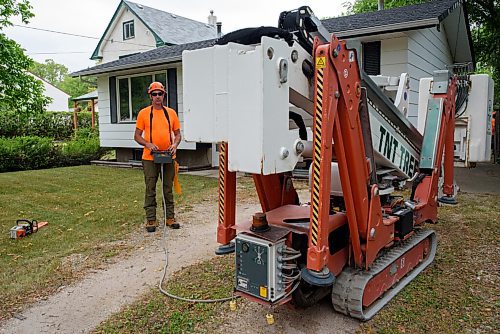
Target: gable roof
{"type": "Point", "coordinates": [167, 28]}
{"type": "Point", "coordinates": [159, 56]}
{"type": "Point", "coordinates": [423, 15]}
{"type": "Point", "coordinates": [87, 97]}
{"type": "Point", "coordinates": [451, 14]}
{"type": "Point", "coordinates": [48, 84]}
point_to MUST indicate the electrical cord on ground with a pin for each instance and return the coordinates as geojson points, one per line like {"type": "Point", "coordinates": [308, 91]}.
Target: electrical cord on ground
{"type": "Point", "coordinates": [165, 250]}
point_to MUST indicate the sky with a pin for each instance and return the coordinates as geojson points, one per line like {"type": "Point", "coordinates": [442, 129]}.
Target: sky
{"type": "Point", "coordinates": [91, 17]}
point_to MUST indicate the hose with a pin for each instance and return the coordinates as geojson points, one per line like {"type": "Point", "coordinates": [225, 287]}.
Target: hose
{"type": "Point", "coordinates": [165, 250]}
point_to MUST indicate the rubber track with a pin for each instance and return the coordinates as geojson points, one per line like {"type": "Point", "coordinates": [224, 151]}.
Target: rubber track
{"type": "Point", "coordinates": [348, 289]}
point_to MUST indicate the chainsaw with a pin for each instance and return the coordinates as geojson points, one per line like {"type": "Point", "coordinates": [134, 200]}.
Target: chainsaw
{"type": "Point", "coordinates": [25, 227]}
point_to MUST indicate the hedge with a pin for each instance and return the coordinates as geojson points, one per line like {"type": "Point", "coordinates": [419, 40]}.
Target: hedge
{"type": "Point", "coordinates": [84, 147]}
{"type": "Point", "coordinates": [30, 152]}
{"type": "Point", "coordinates": [33, 152]}
{"type": "Point", "coordinates": [56, 125]}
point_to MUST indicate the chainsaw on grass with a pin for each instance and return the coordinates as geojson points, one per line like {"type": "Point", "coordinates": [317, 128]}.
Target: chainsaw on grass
{"type": "Point", "coordinates": [25, 227]}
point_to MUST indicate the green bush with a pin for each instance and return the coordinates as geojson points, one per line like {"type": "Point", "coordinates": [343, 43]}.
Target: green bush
{"type": "Point", "coordinates": [83, 148]}
{"type": "Point", "coordinates": [84, 119]}
{"type": "Point", "coordinates": [30, 152]}
{"type": "Point", "coordinates": [57, 125]}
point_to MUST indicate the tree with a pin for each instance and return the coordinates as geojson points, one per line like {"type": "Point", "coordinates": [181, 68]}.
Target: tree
{"type": "Point", "coordinates": [50, 71]}
{"type": "Point", "coordinates": [485, 21]}
{"type": "Point", "coordinates": [363, 6]}
{"type": "Point", "coordinates": [76, 87]}
{"type": "Point", "coordinates": [18, 90]}
{"type": "Point", "coordinates": [57, 75]}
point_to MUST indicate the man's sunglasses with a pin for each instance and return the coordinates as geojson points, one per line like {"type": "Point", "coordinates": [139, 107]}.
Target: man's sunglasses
{"type": "Point", "coordinates": [157, 94]}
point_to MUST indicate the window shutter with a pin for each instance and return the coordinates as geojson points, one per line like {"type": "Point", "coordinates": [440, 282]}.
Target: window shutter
{"type": "Point", "coordinates": [172, 88]}
{"type": "Point", "coordinates": [371, 58]}
{"type": "Point", "coordinates": [112, 100]}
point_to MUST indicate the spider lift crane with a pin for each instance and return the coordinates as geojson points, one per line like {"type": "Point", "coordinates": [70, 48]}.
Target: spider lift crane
{"type": "Point", "coordinates": [354, 240]}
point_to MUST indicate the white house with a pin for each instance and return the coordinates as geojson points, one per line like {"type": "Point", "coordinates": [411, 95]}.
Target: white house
{"type": "Point", "coordinates": [136, 28]}
{"type": "Point", "coordinates": [414, 39]}
{"type": "Point", "coordinates": [132, 31]}
{"type": "Point", "coordinates": [59, 98]}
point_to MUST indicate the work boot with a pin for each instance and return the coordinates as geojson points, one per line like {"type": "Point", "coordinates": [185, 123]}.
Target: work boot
{"type": "Point", "coordinates": [170, 222]}
{"type": "Point", "coordinates": [151, 225]}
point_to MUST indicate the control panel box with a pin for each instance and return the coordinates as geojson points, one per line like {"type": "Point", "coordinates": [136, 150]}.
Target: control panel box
{"type": "Point", "coordinates": [257, 267]}
{"type": "Point", "coordinates": [473, 130]}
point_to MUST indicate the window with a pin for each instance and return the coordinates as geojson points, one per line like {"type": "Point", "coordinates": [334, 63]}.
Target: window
{"type": "Point", "coordinates": [371, 58]}
{"type": "Point", "coordinates": [132, 94]}
{"type": "Point", "coordinates": [123, 93]}
{"type": "Point", "coordinates": [128, 30]}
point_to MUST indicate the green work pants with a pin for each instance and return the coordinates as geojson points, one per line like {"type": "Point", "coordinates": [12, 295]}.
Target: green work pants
{"type": "Point", "coordinates": [151, 174]}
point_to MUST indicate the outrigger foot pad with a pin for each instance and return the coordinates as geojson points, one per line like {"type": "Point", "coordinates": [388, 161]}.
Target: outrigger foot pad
{"type": "Point", "coordinates": [225, 249]}
{"type": "Point", "coordinates": [448, 200]}
{"type": "Point", "coordinates": [318, 278]}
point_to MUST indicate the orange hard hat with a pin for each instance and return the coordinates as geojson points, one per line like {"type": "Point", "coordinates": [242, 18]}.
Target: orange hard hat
{"type": "Point", "coordinates": [156, 86]}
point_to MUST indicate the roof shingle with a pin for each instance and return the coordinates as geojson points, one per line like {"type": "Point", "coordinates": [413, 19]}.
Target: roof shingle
{"type": "Point", "coordinates": [429, 10]}
{"type": "Point", "coordinates": [172, 28]}
{"type": "Point", "coordinates": [159, 55]}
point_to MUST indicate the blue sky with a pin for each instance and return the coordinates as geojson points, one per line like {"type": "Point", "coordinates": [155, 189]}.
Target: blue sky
{"type": "Point", "coordinates": [91, 17]}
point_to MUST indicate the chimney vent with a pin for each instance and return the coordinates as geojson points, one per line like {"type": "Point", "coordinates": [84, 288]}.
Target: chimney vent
{"type": "Point", "coordinates": [219, 29]}
{"type": "Point", "coordinates": [380, 4]}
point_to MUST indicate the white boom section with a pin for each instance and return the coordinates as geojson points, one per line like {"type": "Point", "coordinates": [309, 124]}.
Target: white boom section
{"type": "Point", "coordinates": [239, 94]}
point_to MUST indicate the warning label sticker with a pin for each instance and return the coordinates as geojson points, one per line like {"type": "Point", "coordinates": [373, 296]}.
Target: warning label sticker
{"type": "Point", "coordinates": [263, 291]}
{"type": "Point", "coordinates": [243, 283]}
{"type": "Point", "coordinates": [351, 56]}
{"type": "Point", "coordinates": [321, 62]}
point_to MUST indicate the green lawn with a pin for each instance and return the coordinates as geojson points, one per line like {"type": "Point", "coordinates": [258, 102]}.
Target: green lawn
{"type": "Point", "coordinates": [156, 313]}
{"type": "Point", "coordinates": [89, 210]}
{"type": "Point", "coordinates": [458, 293]}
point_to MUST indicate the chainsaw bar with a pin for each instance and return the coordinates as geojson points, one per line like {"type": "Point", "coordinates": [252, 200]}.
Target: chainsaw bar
{"type": "Point", "coordinates": [349, 287]}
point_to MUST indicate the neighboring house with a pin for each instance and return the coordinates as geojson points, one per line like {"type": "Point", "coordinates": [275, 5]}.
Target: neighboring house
{"type": "Point", "coordinates": [59, 98]}
{"type": "Point", "coordinates": [415, 39]}
{"type": "Point", "coordinates": [136, 28]}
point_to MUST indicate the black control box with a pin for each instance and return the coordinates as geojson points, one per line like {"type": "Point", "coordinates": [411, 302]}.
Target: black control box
{"type": "Point", "coordinates": [162, 157]}
{"type": "Point", "coordinates": [405, 223]}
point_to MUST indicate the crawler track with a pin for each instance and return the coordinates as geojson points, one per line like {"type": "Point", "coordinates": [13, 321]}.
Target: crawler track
{"type": "Point", "coordinates": [348, 290]}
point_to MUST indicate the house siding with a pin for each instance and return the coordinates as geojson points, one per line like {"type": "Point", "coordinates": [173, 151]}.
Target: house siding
{"type": "Point", "coordinates": [394, 56]}
{"type": "Point", "coordinates": [418, 53]}
{"type": "Point", "coordinates": [393, 53]}
{"type": "Point", "coordinates": [59, 98]}
{"type": "Point", "coordinates": [428, 51]}
{"type": "Point", "coordinates": [114, 46]}
{"type": "Point", "coordinates": [121, 135]}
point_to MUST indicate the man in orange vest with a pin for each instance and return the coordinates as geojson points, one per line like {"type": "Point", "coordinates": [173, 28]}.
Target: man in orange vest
{"type": "Point", "coordinates": [158, 129]}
